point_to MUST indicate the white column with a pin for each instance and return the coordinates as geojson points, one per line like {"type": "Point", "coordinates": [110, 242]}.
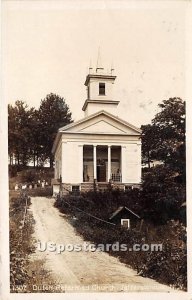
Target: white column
{"type": "Point", "coordinates": [139, 162]}
{"type": "Point", "coordinates": [80, 163]}
{"type": "Point", "coordinates": [95, 161]}
{"type": "Point", "coordinates": [123, 163]}
{"type": "Point", "coordinates": [109, 163]}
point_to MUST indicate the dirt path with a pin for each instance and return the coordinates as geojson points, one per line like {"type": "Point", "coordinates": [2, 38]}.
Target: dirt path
{"type": "Point", "coordinates": [91, 271]}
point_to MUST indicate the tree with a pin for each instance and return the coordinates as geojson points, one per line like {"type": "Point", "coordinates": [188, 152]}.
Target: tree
{"type": "Point", "coordinates": [19, 127]}
{"type": "Point", "coordinates": [149, 133]}
{"type": "Point", "coordinates": [11, 133]}
{"type": "Point", "coordinates": [162, 195]}
{"type": "Point", "coordinates": [53, 114]}
{"type": "Point", "coordinates": [164, 139]}
{"type": "Point", "coordinates": [32, 132]}
{"type": "Point", "coordinates": [36, 148]}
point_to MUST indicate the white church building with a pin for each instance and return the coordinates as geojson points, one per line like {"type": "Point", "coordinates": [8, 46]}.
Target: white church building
{"type": "Point", "coordinates": [101, 148]}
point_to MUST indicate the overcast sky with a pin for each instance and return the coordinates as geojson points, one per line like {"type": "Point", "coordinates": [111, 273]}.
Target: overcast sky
{"type": "Point", "coordinates": [47, 47]}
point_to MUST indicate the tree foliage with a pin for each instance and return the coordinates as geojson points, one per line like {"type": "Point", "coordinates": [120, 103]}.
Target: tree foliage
{"type": "Point", "coordinates": [53, 114]}
{"type": "Point", "coordinates": [31, 131]}
{"type": "Point", "coordinates": [164, 138]}
{"type": "Point", "coordinates": [19, 124]}
{"type": "Point", "coordinates": [162, 194]}
{"type": "Point", "coordinates": [163, 189]}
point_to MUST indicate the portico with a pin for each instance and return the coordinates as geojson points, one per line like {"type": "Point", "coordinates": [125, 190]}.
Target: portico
{"type": "Point", "coordinates": [101, 163]}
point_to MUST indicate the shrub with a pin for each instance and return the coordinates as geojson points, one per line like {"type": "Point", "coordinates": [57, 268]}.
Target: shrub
{"type": "Point", "coordinates": [29, 176]}
{"type": "Point", "coordinates": [13, 169]}
{"type": "Point", "coordinates": [162, 195]}
{"type": "Point", "coordinates": [20, 240]}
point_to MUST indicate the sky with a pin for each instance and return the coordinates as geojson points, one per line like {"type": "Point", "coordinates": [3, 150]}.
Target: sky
{"type": "Point", "coordinates": [47, 48]}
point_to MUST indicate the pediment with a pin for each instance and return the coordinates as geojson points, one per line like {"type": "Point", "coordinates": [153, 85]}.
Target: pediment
{"type": "Point", "coordinates": [101, 123]}
{"type": "Point", "coordinates": [102, 126]}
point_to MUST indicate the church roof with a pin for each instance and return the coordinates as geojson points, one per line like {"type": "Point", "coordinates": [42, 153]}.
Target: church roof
{"type": "Point", "coordinates": [96, 114]}
{"type": "Point", "coordinates": [95, 124]}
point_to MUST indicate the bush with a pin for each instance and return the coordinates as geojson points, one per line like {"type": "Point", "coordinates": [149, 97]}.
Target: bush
{"type": "Point", "coordinates": [162, 195]}
{"type": "Point", "coordinates": [29, 176]}
{"type": "Point", "coordinates": [20, 240]}
{"type": "Point", "coordinates": [13, 169]}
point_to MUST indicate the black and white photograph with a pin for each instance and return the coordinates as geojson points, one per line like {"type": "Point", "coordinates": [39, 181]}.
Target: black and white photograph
{"type": "Point", "coordinates": [94, 103]}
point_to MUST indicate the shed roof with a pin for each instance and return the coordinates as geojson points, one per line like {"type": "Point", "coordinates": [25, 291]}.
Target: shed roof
{"type": "Point", "coordinates": [123, 208]}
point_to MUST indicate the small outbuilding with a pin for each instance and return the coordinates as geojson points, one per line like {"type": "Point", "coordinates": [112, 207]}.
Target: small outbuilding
{"type": "Point", "coordinates": [125, 217]}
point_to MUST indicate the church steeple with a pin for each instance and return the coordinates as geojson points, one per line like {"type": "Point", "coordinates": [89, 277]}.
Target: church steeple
{"type": "Point", "coordinates": [99, 89]}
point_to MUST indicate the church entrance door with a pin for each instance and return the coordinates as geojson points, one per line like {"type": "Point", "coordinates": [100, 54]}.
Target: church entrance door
{"type": "Point", "coordinates": [101, 173]}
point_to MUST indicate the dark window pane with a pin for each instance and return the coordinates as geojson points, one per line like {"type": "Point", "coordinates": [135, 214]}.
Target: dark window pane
{"type": "Point", "coordinates": [101, 88]}
{"type": "Point", "coordinates": [75, 188]}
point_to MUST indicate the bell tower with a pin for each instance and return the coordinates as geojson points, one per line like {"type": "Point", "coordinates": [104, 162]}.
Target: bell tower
{"type": "Point", "coordinates": [99, 85]}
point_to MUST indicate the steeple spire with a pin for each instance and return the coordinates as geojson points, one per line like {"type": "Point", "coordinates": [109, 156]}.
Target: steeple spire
{"type": "Point", "coordinates": [90, 67]}
{"type": "Point", "coordinates": [99, 62]}
{"type": "Point", "coordinates": [112, 68]}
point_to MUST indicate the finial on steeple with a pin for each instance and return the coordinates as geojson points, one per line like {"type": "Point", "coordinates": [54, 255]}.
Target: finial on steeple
{"type": "Point", "coordinates": [99, 62]}
{"type": "Point", "coordinates": [90, 67]}
{"type": "Point", "coordinates": [112, 68]}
